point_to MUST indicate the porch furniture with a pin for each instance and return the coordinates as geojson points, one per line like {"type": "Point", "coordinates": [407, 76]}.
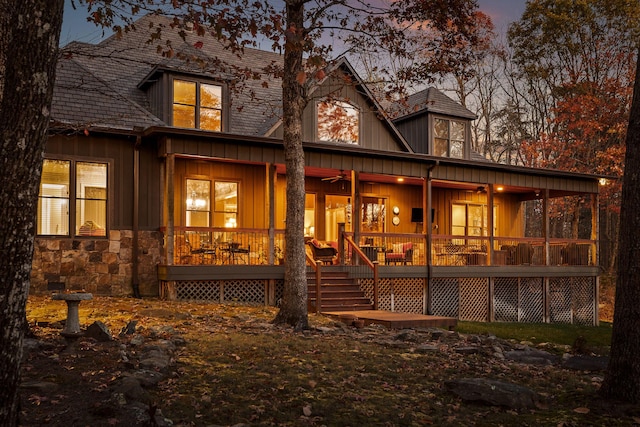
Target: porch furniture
{"type": "Point", "coordinates": [371, 252]}
{"type": "Point", "coordinates": [575, 254]}
{"type": "Point", "coordinates": [322, 251]}
{"type": "Point", "coordinates": [236, 253]}
{"type": "Point", "coordinates": [524, 253]}
{"type": "Point", "coordinates": [499, 257]}
{"type": "Point", "coordinates": [194, 248]}
{"type": "Point", "coordinates": [399, 253]}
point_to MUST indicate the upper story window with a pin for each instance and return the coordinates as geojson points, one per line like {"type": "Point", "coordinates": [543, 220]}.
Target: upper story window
{"type": "Point", "coordinates": [60, 203]}
{"type": "Point", "coordinates": [197, 105]}
{"type": "Point", "coordinates": [338, 121]}
{"type": "Point", "coordinates": [448, 138]}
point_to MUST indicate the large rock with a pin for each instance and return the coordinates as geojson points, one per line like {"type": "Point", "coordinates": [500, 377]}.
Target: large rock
{"type": "Point", "coordinates": [494, 393]}
{"type": "Point", "coordinates": [532, 356]}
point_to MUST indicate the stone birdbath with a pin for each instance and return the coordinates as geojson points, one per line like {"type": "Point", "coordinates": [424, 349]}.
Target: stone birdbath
{"type": "Point", "coordinates": [72, 325]}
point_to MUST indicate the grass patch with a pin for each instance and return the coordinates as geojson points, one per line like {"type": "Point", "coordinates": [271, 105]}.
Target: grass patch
{"type": "Point", "coordinates": [596, 338]}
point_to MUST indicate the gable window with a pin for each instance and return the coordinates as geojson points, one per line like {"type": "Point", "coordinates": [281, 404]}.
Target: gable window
{"type": "Point", "coordinates": [84, 204]}
{"type": "Point", "coordinates": [197, 105]}
{"type": "Point", "coordinates": [448, 138]}
{"type": "Point", "coordinates": [338, 121]}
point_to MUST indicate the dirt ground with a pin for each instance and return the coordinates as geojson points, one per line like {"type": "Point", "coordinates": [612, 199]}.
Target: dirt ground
{"type": "Point", "coordinates": [231, 366]}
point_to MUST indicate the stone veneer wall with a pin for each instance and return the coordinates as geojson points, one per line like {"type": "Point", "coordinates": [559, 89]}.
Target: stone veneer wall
{"type": "Point", "coordinates": [100, 266]}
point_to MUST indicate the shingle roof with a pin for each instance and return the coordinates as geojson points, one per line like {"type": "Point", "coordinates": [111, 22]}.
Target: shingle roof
{"type": "Point", "coordinates": [433, 101]}
{"type": "Point", "coordinates": [98, 84]}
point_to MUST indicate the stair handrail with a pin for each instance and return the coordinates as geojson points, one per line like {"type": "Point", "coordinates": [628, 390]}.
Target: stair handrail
{"type": "Point", "coordinates": [366, 261]}
{"type": "Point", "coordinates": [316, 268]}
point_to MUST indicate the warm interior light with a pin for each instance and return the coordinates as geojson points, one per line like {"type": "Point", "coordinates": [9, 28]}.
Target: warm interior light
{"type": "Point", "coordinates": [603, 181]}
{"type": "Point", "coordinates": [400, 179]}
{"type": "Point", "coordinates": [500, 188]}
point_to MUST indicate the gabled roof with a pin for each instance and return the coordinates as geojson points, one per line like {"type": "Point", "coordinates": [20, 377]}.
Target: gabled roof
{"type": "Point", "coordinates": [343, 65]}
{"type": "Point", "coordinates": [431, 100]}
{"type": "Point", "coordinates": [121, 64]}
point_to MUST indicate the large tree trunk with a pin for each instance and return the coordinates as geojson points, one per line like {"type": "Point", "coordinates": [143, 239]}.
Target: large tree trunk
{"type": "Point", "coordinates": [622, 381]}
{"type": "Point", "coordinates": [293, 310]}
{"type": "Point", "coordinates": [29, 36]}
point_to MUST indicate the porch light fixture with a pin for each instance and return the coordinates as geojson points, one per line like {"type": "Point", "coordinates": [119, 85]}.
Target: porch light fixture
{"type": "Point", "coordinates": [603, 181]}
{"type": "Point", "coordinates": [400, 179]}
{"type": "Point", "coordinates": [500, 188]}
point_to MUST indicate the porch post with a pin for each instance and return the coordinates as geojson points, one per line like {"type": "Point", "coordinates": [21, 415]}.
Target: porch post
{"type": "Point", "coordinates": [271, 179]}
{"type": "Point", "coordinates": [490, 209]}
{"type": "Point", "coordinates": [170, 191]}
{"type": "Point", "coordinates": [545, 225]}
{"type": "Point", "coordinates": [355, 206]}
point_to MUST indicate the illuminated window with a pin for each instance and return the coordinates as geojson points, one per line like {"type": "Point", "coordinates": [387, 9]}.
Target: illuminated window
{"type": "Point", "coordinates": [197, 105]}
{"type": "Point", "coordinates": [338, 122]}
{"type": "Point", "coordinates": [225, 211]}
{"type": "Point", "coordinates": [373, 214]}
{"type": "Point", "coordinates": [198, 203]}
{"type": "Point", "coordinates": [87, 203]}
{"type": "Point", "coordinates": [448, 139]}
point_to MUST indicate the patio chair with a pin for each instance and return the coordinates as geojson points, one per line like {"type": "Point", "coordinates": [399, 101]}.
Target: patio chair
{"type": "Point", "coordinates": [399, 253]}
{"type": "Point", "coordinates": [322, 251]}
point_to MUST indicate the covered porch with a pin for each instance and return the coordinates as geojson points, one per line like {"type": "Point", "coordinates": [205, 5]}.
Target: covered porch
{"type": "Point", "coordinates": [499, 243]}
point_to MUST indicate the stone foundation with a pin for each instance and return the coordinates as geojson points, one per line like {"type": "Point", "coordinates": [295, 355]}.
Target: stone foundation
{"type": "Point", "coordinates": [99, 266]}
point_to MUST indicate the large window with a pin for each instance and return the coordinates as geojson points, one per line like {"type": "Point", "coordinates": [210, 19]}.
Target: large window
{"type": "Point", "coordinates": [226, 204]}
{"type": "Point", "coordinates": [373, 214]}
{"type": "Point", "coordinates": [448, 140]}
{"type": "Point", "coordinates": [197, 105]}
{"type": "Point", "coordinates": [470, 219]}
{"type": "Point", "coordinates": [198, 203]}
{"type": "Point", "coordinates": [338, 122]}
{"type": "Point", "coordinates": [87, 203]}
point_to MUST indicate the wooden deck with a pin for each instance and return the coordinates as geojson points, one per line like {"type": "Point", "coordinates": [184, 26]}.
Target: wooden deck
{"type": "Point", "coordinates": [395, 320]}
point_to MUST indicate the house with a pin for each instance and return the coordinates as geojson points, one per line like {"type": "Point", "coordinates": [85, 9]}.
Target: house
{"type": "Point", "coordinates": [165, 178]}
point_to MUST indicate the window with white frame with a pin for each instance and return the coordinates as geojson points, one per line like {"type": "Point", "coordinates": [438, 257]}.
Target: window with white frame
{"type": "Point", "coordinates": [86, 205]}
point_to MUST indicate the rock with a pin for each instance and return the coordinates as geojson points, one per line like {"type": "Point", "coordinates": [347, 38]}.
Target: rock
{"type": "Point", "coordinates": [129, 329]}
{"type": "Point", "coordinates": [494, 393]}
{"type": "Point", "coordinates": [531, 356]}
{"type": "Point", "coordinates": [132, 390]}
{"type": "Point", "coordinates": [98, 331]}
{"type": "Point", "coordinates": [426, 348]}
{"type": "Point", "coordinates": [466, 350]}
{"type": "Point", "coordinates": [586, 363]}
{"type": "Point", "coordinates": [41, 387]}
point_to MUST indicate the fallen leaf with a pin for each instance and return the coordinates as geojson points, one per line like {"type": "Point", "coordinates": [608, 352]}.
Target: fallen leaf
{"type": "Point", "coordinates": [307, 411]}
{"type": "Point", "coordinates": [581, 410]}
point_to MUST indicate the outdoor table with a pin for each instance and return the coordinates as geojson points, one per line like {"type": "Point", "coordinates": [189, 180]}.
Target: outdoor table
{"type": "Point", "coordinates": [72, 325]}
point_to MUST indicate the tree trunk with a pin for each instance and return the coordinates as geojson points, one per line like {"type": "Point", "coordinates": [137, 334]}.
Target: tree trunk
{"type": "Point", "coordinates": [293, 310]}
{"type": "Point", "coordinates": [29, 36]}
{"type": "Point", "coordinates": [622, 380]}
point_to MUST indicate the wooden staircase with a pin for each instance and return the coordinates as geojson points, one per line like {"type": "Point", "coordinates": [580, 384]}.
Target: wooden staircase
{"type": "Point", "coordinates": [339, 293]}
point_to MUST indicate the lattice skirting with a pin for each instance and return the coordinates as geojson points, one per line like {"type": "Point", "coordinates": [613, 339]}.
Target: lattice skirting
{"type": "Point", "coordinates": [570, 299]}
{"type": "Point", "coordinates": [405, 294]}
{"type": "Point", "coordinates": [244, 291]}
{"type": "Point", "coordinates": [518, 299]}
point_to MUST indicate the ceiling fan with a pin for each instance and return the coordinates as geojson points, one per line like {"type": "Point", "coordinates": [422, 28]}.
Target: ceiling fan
{"type": "Point", "coordinates": [339, 177]}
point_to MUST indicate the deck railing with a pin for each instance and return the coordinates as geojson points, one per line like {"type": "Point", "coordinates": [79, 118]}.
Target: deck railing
{"type": "Point", "coordinates": [224, 246]}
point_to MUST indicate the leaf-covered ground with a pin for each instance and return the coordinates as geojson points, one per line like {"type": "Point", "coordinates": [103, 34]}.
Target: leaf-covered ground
{"type": "Point", "coordinates": [236, 368]}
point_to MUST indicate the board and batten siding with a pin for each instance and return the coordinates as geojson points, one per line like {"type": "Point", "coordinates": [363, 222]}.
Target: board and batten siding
{"type": "Point", "coordinates": [253, 202]}
{"type": "Point", "coordinates": [118, 151]}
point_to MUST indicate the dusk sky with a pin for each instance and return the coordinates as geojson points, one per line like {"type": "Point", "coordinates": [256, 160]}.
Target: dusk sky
{"type": "Point", "coordinates": [76, 27]}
